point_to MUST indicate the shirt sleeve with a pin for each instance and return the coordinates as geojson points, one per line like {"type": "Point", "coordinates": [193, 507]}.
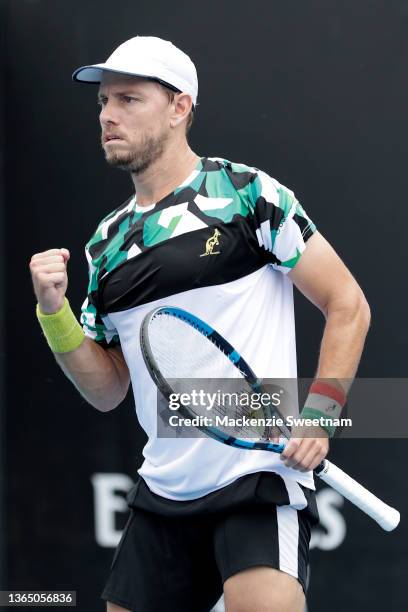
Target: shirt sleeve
{"type": "Point", "coordinates": [95, 326]}
{"type": "Point", "coordinates": [281, 223]}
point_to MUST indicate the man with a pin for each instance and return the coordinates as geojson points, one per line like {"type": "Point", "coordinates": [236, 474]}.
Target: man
{"type": "Point", "coordinates": [204, 517]}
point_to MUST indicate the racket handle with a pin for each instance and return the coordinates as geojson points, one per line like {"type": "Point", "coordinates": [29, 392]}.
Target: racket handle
{"type": "Point", "coordinates": [387, 517]}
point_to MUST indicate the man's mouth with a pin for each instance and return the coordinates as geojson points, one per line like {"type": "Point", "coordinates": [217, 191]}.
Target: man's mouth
{"type": "Point", "coordinates": [109, 138]}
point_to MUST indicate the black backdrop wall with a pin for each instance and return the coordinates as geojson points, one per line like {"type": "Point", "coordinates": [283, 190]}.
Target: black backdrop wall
{"type": "Point", "coordinates": [314, 92]}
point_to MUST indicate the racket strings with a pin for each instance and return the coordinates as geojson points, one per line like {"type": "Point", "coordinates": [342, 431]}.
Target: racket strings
{"type": "Point", "coordinates": [181, 351]}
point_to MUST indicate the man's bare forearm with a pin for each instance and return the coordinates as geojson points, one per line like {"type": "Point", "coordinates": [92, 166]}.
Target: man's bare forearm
{"type": "Point", "coordinates": [347, 324]}
{"type": "Point", "coordinates": [323, 278]}
{"type": "Point", "coordinates": [100, 375]}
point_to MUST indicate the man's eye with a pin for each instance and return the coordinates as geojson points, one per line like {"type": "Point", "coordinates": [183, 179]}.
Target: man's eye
{"type": "Point", "coordinates": [101, 102]}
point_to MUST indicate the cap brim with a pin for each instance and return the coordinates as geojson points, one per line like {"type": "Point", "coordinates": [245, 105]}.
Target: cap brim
{"type": "Point", "coordinates": [88, 74]}
{"type": "Point", "coordinates": [93, 74]}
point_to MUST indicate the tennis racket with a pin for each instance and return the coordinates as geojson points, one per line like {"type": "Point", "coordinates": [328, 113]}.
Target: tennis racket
{"type": "Point", "coordinates": [178, 346]}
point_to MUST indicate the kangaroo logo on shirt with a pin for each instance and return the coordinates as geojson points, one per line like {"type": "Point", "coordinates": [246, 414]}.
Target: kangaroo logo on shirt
{"type": "Point", "coordinates": [211, 243]}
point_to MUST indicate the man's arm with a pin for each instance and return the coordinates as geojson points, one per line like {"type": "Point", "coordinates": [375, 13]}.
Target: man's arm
{"type": "Point", "coordinates": [100, 375]}
{"type": "Point", "coordinates": [323, 278]}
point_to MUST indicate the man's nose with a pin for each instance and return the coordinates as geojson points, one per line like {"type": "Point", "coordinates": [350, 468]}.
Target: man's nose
{"type": "Point", "coordinates": [108, 114]}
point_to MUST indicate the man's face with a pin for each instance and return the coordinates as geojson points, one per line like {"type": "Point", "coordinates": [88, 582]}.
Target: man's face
{"type": "Point", "coordinates": [135, 121]}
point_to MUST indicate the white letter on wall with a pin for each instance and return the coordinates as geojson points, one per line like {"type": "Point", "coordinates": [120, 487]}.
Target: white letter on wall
{"type": "Point", "coordinates": [107, 503]}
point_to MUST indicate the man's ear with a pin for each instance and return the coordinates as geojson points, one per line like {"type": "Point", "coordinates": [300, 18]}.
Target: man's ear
{"type": "Point", "coordinates": [182, 105]}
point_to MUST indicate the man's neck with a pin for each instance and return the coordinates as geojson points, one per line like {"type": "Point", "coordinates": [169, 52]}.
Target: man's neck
{"type": "Point", "coordinates": [165, 174]}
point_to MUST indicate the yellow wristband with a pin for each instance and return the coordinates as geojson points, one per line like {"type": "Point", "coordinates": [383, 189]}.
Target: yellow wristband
{"type": "Point", "coordinates": [61, 329]}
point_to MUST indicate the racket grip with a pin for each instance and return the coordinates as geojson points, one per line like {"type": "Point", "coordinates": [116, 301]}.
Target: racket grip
{"type": "Point", "coordinates": [388, 518]}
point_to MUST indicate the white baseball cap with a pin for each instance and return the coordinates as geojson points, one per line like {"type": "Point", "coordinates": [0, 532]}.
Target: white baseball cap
{"type": "Point", "coordinates": [149, 57]}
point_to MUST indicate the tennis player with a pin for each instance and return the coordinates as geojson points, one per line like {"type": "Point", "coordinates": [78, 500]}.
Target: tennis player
{"type": "Point", "coordinates": [226, 242]}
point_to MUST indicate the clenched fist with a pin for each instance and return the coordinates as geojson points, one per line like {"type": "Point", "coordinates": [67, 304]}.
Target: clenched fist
{"type": "Point", "coordinates": [50, 280]}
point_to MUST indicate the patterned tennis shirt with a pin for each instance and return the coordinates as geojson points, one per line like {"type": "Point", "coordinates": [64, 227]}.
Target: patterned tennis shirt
{"type": "Point", "coordinates": [219, 246]}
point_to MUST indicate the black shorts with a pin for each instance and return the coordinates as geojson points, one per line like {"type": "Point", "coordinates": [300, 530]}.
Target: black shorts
{"type": "Point", "coordinates": [175, 556]}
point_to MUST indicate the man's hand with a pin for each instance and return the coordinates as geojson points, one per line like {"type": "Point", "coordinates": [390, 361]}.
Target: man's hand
{"type": "Point", "coordinates": [50, 280]}
{"type": "Point", "coordinates": [304, 452]}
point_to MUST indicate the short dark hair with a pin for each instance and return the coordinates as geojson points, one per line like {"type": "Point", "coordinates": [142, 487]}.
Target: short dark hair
{"type": "Point", "coordinates": [171, 94]}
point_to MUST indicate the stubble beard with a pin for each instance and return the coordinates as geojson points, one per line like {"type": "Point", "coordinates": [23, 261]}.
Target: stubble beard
{"type": "Point", "coordinates": [139, 158]}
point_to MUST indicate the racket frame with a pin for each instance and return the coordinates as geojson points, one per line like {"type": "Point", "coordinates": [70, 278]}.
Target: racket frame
{"type": "Point", "coordinates": [228, 350]}
{"type": "Point", "coordinates": [386, 516]}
